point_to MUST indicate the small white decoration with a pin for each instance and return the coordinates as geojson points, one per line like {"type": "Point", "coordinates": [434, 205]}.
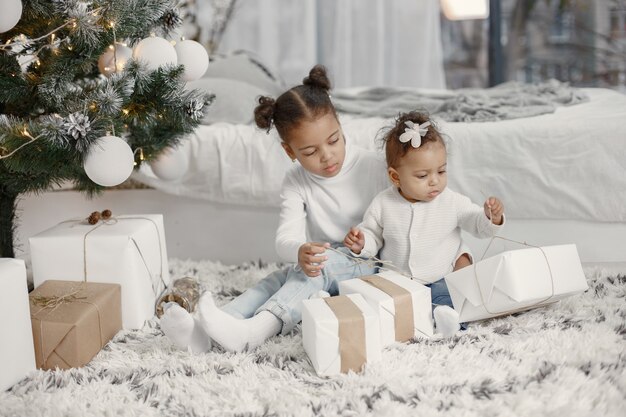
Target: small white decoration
{"type": "Point", "coordinates": [194, 57]}
{"type": "Point", "coordinates": [114, 59]}
{"type": "Point", "coordinates": [155, 52]}
{"type": "Point", "coordinates": [10, 14]}
{"type": "Point", "coordinates": [171, 164]}
{"type": "Point", "coordinates": [110, 161]}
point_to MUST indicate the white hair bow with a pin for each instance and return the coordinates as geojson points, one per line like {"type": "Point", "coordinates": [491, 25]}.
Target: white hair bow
{"type": "Point", "coordinates": [414, 133]}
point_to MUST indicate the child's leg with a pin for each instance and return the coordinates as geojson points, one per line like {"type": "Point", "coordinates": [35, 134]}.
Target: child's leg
{"type": "Point", "coordinates": [245, 305]}
{"type": "Point", "coordinates": [446, 318]}
{"type": "Point", "coordinates": [462, 261]}
{"type": "Point", "coordinates": [181, 328]}
{"type": "Point", "coordinates": [284, 305]}
{"type": "Point", "coordinates": [235, 334]}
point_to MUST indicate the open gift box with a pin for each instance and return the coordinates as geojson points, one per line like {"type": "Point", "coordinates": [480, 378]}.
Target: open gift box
{"type": "Point", "coordinates": [404, 306]}
{"type": "Point", "coordinates": [126, 250]}
{"type": "Point", "coordinates": [516, 280]}
{"type": "Point", "coordinates": [340, 333]}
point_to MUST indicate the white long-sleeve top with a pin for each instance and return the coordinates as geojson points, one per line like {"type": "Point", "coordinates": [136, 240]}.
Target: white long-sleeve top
{"type": "Point", "coordinates": [319, 209]}
{"type": "Point", "coordinates": [422, 238]}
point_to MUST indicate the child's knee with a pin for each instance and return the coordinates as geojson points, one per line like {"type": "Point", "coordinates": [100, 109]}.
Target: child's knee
{"type": "Point", "coordinates": [462, 261]}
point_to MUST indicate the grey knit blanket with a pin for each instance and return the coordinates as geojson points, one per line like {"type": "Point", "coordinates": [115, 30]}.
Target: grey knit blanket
{"type": "Point", "coordinates": [511, 100]}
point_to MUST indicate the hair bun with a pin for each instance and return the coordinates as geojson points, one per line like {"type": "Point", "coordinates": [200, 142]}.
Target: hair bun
{"type": "Point", "coordinates": [318, 78]}
{"type": "Point", "coordinates": [264, 112]}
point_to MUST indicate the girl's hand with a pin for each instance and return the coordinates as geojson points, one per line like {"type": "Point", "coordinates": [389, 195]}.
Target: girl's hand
{"type": "Point", "coordinates": [494, 209]}
{"type": "Point", "coordinates": [309, 258]}
{"type": "Point", "coordinates": [355, 240]}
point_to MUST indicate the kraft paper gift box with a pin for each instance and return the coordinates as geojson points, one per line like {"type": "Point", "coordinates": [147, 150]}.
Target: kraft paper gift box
{"type": "Point", "coordinates": [340, 334]}
{"type": "Point", "coordinates": [72, 321]}
{"type": "Point", "coordinates": [127, 250]}
{"type": "Point", "coordinates": [404, 306]}
{"type": "Point", "coordinates": [17, 356]}
{"type": "Point", "coordinates": [515, 281]}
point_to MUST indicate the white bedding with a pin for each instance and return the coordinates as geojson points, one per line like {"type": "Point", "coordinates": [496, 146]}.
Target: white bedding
{"type": "Point", "coordinates": [570, 164]}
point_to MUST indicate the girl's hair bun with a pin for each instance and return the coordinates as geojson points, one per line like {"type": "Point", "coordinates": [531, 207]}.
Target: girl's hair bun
{"type": "Point", "coordinates": [264, 112]}
{"type": "Point", "coordinates": [318, 78]}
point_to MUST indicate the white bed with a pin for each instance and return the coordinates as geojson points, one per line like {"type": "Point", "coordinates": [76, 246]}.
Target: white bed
{"type": "Point", "coordinates": [561, 175]}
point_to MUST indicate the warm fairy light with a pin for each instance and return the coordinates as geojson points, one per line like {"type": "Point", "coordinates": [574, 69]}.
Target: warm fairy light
{"type": "Point", "coordinates": [111, 47]}
{"type": "Point", "coordinates": [125, 111]}
{"type": "Point", "coordinates": [25, 132]}
{"type": "Point", "coordinates": [111, 24]}
{"type": "Point", "coordinates": [52, 37]}
{"type": "Point", "coordinates": [93, 106]}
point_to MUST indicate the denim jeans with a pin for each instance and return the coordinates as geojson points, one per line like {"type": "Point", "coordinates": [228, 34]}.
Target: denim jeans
{"type": "Point", "coordinates": [281, 292]}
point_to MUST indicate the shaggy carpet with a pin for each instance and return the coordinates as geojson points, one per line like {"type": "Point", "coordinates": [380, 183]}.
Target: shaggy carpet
{"type": "Point", "coordinates": [565, 359]}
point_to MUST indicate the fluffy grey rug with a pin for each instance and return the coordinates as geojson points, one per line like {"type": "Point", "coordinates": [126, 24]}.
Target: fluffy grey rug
{"type": "Point", "coordinates": [566, 359]}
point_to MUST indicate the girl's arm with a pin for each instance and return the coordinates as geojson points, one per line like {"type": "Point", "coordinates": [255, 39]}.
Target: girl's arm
{"type": "Point", "coordinates": [472, 218]}
{"type": "Point", "coordinates": [291, 232]}
{"type": "Point", "coordinates": [372, 229]}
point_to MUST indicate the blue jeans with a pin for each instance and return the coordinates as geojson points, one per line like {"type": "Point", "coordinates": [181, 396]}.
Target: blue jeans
{"type": "Point", "coordinates": [440, 295]}
{"type": "Point", "coordinates": [281, 292]}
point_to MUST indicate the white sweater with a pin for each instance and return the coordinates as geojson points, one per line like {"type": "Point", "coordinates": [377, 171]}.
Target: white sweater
{"type": "Point", "coordinates": [422, 238]}
{"type": "Point", "coordinates": [318, 209]}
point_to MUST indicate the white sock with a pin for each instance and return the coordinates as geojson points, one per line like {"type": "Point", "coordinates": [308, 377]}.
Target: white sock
{"type": "Point", "coordinates": [446, 320]}
{"type": "Point", "coordinates": [232, 333]}
{"type": "Point", "coordinates": [181, 328]}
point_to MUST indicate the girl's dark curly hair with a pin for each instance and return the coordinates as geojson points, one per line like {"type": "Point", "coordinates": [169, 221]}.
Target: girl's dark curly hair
{"type": "Point", "coordinates": [394, 149]}
{"type": "Point", "coordinates": [305, 102]}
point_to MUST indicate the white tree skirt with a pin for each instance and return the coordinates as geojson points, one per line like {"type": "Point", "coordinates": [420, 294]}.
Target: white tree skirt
{"type": "Point", "coordinates": [567, 359]}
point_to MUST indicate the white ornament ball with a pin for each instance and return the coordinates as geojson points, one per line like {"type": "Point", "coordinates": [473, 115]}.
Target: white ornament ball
{"type": "Point", "coordinates": [114, 59]}
{"type": "Point", "coordinates": [110, 161]}
{"type": "Point", "coordinates": [10, 14]}
{"type": "Point", "coordinates": [171, 164]}
{"type": "Point", "coordinates": [194, 57]}
{"type": "Point", "coordinates": [155, 52]}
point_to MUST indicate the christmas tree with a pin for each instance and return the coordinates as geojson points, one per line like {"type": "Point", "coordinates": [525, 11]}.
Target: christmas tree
{"type": "Point", "coordinates": [64, 117]}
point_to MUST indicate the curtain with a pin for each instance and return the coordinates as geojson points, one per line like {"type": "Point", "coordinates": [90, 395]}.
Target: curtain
{"type": "Point", "coordinates": [361, 42]}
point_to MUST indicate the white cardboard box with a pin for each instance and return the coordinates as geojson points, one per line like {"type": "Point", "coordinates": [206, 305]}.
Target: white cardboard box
{"type": "Point", "coordinates": [384, 306]}
{"type": "Point", "coordinates": [515, 281]}
{"type": "Point", "coordinates": [17, 353]}
{"type": "Point", "coordinates": [129, 250]}
{"type": "Point", "coordinates": [320, 334]}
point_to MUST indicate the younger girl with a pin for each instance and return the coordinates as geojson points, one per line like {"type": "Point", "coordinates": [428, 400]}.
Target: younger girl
{"type": "Point", "coordinates": [416, 223]}
{"type": "Point", "coordinates": [325, 193]}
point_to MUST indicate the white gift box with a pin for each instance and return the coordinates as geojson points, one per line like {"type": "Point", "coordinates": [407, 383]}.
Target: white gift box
{"type": "Point", "coordinates": [515, 281]}
{"type": "Point", "coordinates": [320, 334]}
{"type": "Point", "coordinates": [126, 250]}
{"type": "Point", "coordinates": [384, 304]}
{"type": "Point", "coordinates": [17, 352]}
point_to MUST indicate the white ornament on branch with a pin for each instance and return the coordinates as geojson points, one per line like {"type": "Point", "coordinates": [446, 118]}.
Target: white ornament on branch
{"type": "Point", "coordinates": [114, 59]}
{"type": "Point", "coordinates": [193, 57]}
{"type": "Point", "coordinates": [10, 14]}
{"type": "Point", "coordinates": [110, 161]}
{"type": "Point", "coordinates": [155, 52]}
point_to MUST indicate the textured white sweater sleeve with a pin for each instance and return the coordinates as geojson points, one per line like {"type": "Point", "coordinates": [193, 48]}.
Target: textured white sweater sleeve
{"type": "Point", "coordinates": [472, 218]}
{"type": "Point", "coordinates": [372, 228]}
{"type": "Point", "coordinates": [291, 232]}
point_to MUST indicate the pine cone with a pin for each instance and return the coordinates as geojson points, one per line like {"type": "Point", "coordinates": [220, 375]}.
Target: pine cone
{"type": "Point", "coordinates": [171, 19]}
{"type": "Point", "coordinates": [94, 217]}
{"type": "Point", "coordinates": [106, 214]}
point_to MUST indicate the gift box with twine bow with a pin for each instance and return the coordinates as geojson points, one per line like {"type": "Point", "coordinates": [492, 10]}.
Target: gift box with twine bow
{"type": "Point", "coordinates": [72, 321]}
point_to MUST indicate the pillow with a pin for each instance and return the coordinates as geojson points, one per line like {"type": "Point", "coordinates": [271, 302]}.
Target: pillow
{"type": "Point", "coordinates": [234, 100]}
{"type": "Point", "coordinates": [242, 67]}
